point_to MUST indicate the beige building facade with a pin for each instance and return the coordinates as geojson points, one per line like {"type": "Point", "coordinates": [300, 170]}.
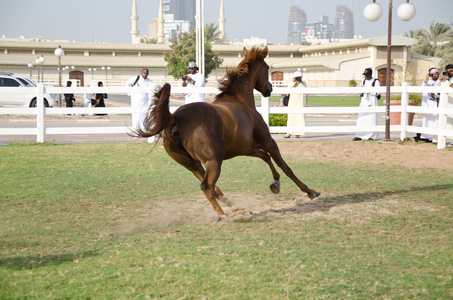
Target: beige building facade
{"type": "Point", "coordinates": [326, 65]}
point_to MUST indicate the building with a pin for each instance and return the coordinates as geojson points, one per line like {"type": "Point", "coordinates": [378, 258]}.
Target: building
{"type": "Point", "coordinates": [296, 25]}
{"type": "Point", "coordinates": [344, 23]}
{"type": "Point", "coordinates": [184, 10]}
{"type": "Point", "coordinates": [327, 65]}
{"type": "Point", "coordinates": [319, 32]}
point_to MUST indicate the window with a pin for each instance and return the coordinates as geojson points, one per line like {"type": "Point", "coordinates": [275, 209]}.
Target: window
{"type": "Point", "coordinates": [9, 82]}
{"type": "Point", "coordinates": [277, 76]}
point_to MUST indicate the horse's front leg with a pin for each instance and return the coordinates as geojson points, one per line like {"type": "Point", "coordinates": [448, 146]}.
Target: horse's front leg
{"type": "Point", "coordinates": [275, 185]}
{"type": "Point", "coordinates": [277, 157]}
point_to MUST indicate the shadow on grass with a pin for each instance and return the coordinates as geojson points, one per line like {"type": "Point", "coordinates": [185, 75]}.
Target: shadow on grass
{"type": "Point", "coordinates": [32, 262]}
{"type": "Point", "coordinates": [322, 204]}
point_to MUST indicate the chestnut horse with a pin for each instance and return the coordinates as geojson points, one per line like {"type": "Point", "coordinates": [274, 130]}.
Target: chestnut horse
{"type": "Point", "coordinates": [202, 134]}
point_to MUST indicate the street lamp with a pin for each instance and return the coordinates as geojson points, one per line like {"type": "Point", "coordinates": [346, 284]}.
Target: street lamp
{"type": "Point", "coordinates": [30, 65]}
{"type": "Point", "coordinates": [92, 72]}
{"type": "Point", "coordinates": [373, 12]}
{"type": "Point", "coordinates": [40, 61]}
{"type": "Point", "coordinates": [106, 69]}
{"type": "Point", "coordinates": [59, 52]}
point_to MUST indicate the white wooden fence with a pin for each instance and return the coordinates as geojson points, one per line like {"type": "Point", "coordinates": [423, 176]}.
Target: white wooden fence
{"type": "Point", "coordinates": [40, 111]}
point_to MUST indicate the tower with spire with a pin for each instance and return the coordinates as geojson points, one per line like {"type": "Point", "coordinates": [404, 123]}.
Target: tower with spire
{"type": "Point", "coordinates": [160, 25]}
{"type": "Point", "coordinates": [222, 21]}
{"type": "Point", "coordinates": [134, 19]}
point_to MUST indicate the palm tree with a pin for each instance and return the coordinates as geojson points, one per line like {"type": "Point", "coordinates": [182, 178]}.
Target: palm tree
{"type": "Point", "coordinates": [211, 33]}
{"type": "Point", "coordinates": [435, 42]}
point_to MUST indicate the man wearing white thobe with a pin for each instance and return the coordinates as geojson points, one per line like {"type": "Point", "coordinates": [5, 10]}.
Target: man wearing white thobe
{"type": "Point", "coordinates": [429, 100]}
{"type": "Point", "coordinates": [140, 100]}
{"type": "Point", "coordinates": [367, 100]}
{"type": "Point", "coordinates": [194, 79]}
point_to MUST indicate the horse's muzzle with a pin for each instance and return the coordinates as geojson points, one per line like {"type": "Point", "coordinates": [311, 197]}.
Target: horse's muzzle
{"type": "Point", "coordinates": [268, 90]}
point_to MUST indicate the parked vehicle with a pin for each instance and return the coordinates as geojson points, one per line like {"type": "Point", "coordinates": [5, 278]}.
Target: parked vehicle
{"type": "Point", "coordinates": [22, 99]}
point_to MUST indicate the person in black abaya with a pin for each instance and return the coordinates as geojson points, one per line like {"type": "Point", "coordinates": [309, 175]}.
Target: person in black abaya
{"type": "Point", "coordinates": [100, 99]}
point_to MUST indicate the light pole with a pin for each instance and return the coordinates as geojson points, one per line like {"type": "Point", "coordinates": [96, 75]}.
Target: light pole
{"type": "Point", "coordinates": [92, 72]}
{"type": "Point", "coordinates": [106, 69]}
{"type": "Point", "coordinates": [37, 66]}
{"type": "Point", "coordinates": [373, 12]}
{"type": "Point", "coordinates": [30, 65]}
{"type": "Point", "coordinates": [41, 62]}
{"type": "Point", "coordinates": [59, 52]}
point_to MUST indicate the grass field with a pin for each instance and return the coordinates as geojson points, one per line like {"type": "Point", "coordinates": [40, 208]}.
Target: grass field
{"type": "Point", "coordinates": [333, 101]}
{"type": "Point", "coordinates": [120, 221]}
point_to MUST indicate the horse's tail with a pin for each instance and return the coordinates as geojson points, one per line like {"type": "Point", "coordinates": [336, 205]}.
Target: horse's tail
{"type": "Point", "coordinates": [159, 117]}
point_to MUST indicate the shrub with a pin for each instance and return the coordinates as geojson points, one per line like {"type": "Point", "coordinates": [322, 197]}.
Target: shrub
{"type": "Point", "coordinates": [278, 119]}
{"type": "Point", "coordinates": [416, 98]}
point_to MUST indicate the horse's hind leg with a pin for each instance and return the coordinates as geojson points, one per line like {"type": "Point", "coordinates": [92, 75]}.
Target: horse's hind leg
{"type": "Point", "coordinates": [211, 176]}
{"type": "Point", "coordinates": [275, 185]}
{"type": "Point", "coordinates": [277, 157]}
{"type": "Point", "coordinates": [181, 156]}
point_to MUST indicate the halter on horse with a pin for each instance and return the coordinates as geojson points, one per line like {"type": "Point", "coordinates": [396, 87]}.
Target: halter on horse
{"type": "Point", "coordinates": [202, 134]}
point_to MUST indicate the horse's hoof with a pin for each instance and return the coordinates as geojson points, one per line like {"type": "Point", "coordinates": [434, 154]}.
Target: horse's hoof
{"type": "Point", "coordinates": [316, 194]}
{"type": "Point", "coordinates": [275, 187]}
{"type": "Point", "coordinates": [220, 218]}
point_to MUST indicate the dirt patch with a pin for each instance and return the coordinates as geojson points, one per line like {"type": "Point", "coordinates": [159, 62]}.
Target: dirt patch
{"type": "Point", "coordinates": [195, 209]}
{"type": "Point", "coordinates": [411, 155]}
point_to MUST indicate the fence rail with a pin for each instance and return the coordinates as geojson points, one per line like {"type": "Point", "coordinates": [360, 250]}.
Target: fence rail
{"type": "Point", "coordinates": [443, 111]}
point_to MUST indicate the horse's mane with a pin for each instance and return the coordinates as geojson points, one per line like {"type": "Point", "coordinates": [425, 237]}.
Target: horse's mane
{"type": "Point", "coordinates": [233, 73]}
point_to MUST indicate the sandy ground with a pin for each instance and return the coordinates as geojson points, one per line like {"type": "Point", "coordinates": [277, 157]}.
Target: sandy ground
{"type": "Point", "coordinates": [249, 207]}
{"type": "Point", "coordinates": [412, 155]}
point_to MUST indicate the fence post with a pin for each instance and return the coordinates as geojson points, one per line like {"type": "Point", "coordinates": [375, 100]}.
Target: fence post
{"type": "Point", "coordinates": [265, 109]}
{"type": "Point", "coordinates": [443, 102]}
{"type": "Point", "coordinates": [40, 114]}
{"type": "Point", "coordinates": [404, 104]}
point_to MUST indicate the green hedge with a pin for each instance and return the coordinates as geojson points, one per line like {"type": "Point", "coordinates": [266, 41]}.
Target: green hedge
{"type": "Point", "coordinates": [278, 119]}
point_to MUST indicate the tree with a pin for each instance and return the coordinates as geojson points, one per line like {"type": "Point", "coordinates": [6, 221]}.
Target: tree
{"type": "Point", "coordinates": [436, 42]}
{"type": "Point", "coordinates": [184, 51]}
{"type": "Point", "coordinates": [147, 40]}
{"type": "Point", "coordinates": [211, 34]}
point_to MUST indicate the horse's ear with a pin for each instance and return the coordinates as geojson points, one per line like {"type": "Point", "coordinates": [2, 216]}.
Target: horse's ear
{"type": "Point", "coordinates": [245, 52]}
{"type": "Point", "coordinates": [264, 52]}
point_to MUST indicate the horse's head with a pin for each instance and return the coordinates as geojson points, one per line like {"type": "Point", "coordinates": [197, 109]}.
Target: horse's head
{"type": "Point", "coordinates": [260, 71]}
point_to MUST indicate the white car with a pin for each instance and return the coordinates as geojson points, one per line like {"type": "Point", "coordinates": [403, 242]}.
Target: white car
{"type": "Point", "coordinates": [21, 99]}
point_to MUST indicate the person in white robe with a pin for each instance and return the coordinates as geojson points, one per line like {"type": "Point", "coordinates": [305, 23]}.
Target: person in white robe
{"type": "Point", "coordinates": [140, 100]}
{"type": "Point", "coordinates": [429, 100]}
{"type": "Point", "coordinates": [447, 76]}
{"type": "Point", "coordinates": [86, 100]}
{"type": "Point", "coordinates": [194, 79]}
{"type": "Point", "coordinates": [297, 100]}
{"type": "Point", "coordinates": [368, 100]}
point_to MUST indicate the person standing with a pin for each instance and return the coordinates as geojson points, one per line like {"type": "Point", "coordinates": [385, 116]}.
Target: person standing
{"type": "Point", "coordinates": [69, 98]}
{"type": "Point", "coordinates": [100, 98]}
{"type": "Point", "coordinates": [447, 76]}
{"type": "Point", "coordinates": [368, 100]}
{"type": "Point", "coordinates": [297, 100]}
{"type": "Point", "coordinates": [194, 79]}
{"type": "Point", "coordinates": [429, 100]}
{"type": "Point", "coordinates": [139, 100]}
{"type": "Point", "coordinates": [86, 99]}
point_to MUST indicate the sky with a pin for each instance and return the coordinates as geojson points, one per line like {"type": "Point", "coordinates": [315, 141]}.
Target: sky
{"type": "Point", "coordinates": [109, 20]}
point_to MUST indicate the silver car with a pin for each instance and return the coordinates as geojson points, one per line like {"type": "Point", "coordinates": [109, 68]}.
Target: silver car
{"type": "Point", "coordinates": [21, 99]}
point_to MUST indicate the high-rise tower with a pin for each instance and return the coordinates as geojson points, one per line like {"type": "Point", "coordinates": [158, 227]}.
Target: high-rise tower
{"type": "Point", "coordinates": [181, 10]}
{"type": "Point", "coordinates": [344, 23]}
{"type": "Point", "coordinates": [296, 24]}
